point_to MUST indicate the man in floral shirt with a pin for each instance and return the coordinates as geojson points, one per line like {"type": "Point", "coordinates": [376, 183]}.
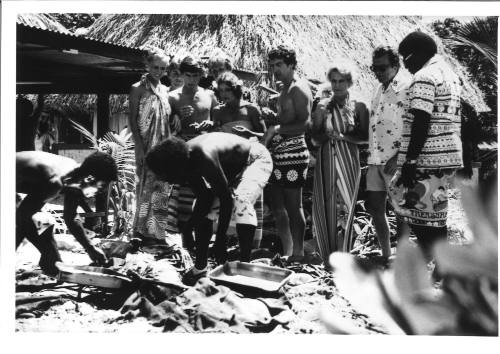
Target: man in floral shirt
{"type": "Point", "coordinates": [386, 125]}
{"type": "Point", "coordinates": [431, 147]}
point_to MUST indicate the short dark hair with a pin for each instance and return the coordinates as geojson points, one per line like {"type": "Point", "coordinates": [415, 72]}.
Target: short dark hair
{"type": "Point", "coordinates": [391, 53]}
{"type": "Point", "coordinates": [191, 65]}
{"type": "Point", "coordinates": [418, 43]}
{"type": "Point", "coordinates": [169, 159]}
{"type": "Point", "coordinates": [282, 52]}
{"type": "Point", "coordinates": [232, 81]}
{"type": "Point", "coordinates": [99, 165]}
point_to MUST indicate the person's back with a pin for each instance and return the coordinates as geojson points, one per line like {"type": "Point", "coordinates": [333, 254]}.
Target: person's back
{"type": "Point", "coordinates": [37, 171]}
{"type": "Point", "coordinates": [229, 149]}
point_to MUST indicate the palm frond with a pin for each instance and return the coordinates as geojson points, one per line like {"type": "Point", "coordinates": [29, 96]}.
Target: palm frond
{"type": "Point", "coordinates": [85, 133]}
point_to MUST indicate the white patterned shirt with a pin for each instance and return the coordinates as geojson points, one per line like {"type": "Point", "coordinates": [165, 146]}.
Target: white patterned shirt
{"type": "Point", "coordinates": [386, 120]}
{"type": "Point", "coordinates": [435, 89]}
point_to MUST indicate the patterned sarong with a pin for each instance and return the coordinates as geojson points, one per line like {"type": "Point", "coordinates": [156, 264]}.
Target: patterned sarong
{"type": "Point", "coordinates": [336, 182]}
{"type": "Point", "coordinates": [150, 218]}
{"type": "Point", "coordinates": [426, 203]}
{"type": "Point", "coordinates": [290, 159]}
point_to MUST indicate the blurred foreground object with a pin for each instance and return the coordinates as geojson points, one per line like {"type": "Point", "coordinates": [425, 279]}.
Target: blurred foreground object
{"type": "Point", "coordinates": [403, 299]}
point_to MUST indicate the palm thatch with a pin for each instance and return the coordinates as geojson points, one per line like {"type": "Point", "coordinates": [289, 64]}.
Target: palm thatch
{"type": "Point", "coordinates": [43, 21]}
{"type": "Point", "coordinates": [318, 40]}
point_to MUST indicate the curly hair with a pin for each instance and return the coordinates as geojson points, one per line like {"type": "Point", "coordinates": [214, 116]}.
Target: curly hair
{"type": "Point", "coordinates": [232, 81]}
{"type": "Point", "coordinates": [282, 52]}
{"type": "Point", "coordinates": [169, 159]}
{"type": "Point", "coordinates": [99, 165]}
{"type": "Point", "coordinates": [418, 42]}
{"type": "Point", "coordinates": [391, 53]}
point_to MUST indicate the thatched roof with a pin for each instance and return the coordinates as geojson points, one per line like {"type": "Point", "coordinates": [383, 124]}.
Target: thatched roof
{"type": "Point", "coordinates": [318, 40]}
{"type": "Point", "coordinates": [43, 21]}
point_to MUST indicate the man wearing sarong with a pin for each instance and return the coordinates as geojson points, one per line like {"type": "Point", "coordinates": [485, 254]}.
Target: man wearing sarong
{"type": "Point", "coordinates": [389, 103]}
{"type": "Point", "coordinates": [193, 105]}
{"type": "Point", "coordinates": [287, 144]}
{"type": "Point", "coordinates": [216, 165]}
{"type": "Point", "coordinates": [431, 149]}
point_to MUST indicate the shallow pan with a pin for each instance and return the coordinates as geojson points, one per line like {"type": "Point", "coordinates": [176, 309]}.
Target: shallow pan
{"type": "Point", "coordinates": [254, 276]}
{"type": "Point", "coordinates": [94, 276]}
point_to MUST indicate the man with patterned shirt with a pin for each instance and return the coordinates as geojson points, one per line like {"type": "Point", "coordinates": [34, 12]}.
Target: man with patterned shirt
{"type": "Point", "coordinates": [431, 148]}
{"type": "Point", "coordinates": [386, 125]}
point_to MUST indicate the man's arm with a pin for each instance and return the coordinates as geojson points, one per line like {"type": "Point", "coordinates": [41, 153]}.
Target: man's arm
{"type": "Point", "coordinates": [213, 173]}
{"type": "Point", "coordinates": [419, 131]}
{"type": "Point", "coordinates": [71, 201]}
{"type": "Point", "coordinates": [258, 123]}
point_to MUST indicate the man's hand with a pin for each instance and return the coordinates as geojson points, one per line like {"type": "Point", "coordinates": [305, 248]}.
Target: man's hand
{"type": "Point", "coordinates": [268, 136]}
{"type": "Point", "coordinates": [408, 175]}
{"type": "Point", "coordinates": [97, 255]}
{"type": "Point", "coordinates": [205, 125]}
{"type": "Point", "coordinates": [391, 165]}
{"type": "Point", "coordinates": [175, 123]}
{"type": "Point", "coordinates": [186, 111]}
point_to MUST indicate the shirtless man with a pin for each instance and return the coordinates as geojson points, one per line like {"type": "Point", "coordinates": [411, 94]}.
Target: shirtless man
{"type": "Point", "coordinates": [193, 105]}
{"type": "Point", "coordinates": [288, 148]}
{"type": "Point", "coordinates": [226, 166]}
{"type": "Point", "coordinates": [43, 176]}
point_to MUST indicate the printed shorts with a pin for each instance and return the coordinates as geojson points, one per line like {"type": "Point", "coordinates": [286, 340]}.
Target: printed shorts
{"type": "Point", "coordinates": [291, 160]}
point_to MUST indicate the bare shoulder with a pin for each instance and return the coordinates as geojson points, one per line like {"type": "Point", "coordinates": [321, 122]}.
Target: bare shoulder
{"type": "Point", "coordinates": [175, 94]}
{"type": "Point", "coordinates": [301, 87]}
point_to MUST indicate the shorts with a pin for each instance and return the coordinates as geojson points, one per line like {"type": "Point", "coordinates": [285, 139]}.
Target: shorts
{"type": "Point", "coordinates": [180, 207]}
{"type": "Point", "coordinates": [248, 191]}
{"type": "Point", "coordinates": [425, 204]}
{"type": "Point", "coordinates": [291, 160]}
{"type": "Point", "coordinates": [376, 179]}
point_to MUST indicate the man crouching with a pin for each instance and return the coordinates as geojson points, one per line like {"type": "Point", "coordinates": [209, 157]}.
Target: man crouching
{"type": "Point", "coordinates": [43, 176]}
{"type": "Point", "coordinates": [222, 165]}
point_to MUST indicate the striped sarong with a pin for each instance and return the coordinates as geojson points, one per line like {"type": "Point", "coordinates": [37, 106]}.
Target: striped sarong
{"type": "Point", "coordinates": [336, 183]}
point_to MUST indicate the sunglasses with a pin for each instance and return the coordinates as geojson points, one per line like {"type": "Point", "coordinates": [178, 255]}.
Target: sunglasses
{"type": "Point", "coordinates": [407, 57]}
{"type": "Point", "coordinates": [162, 68]}
{"type": "Point", "coordinates": [379, 68]}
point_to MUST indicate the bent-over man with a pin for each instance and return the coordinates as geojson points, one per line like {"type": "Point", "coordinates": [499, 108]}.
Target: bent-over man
{"type": "Point", "coordinates": [216, 165]}
{"type": "Point", "coordinates": [43, 176]}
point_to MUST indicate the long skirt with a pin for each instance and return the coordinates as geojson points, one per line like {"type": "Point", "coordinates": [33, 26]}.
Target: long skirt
{"type": "Point", "coordinates": [151, 211]}
{"type": "Point", "coordinates": [336, 183]}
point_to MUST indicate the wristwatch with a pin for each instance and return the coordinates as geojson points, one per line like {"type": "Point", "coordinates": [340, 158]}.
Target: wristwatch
{"type": "Point", "coordinates": [411, 162]}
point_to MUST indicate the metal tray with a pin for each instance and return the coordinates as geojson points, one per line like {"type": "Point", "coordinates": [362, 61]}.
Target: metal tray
{"type": "Point", "coordinates": [251, 276]}
{"type": "Point", "coordinates": [94, 276]}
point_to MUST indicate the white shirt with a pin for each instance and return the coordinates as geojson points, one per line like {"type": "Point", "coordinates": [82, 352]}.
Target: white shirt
{"type": "Point", "coordinates": [386, 120]}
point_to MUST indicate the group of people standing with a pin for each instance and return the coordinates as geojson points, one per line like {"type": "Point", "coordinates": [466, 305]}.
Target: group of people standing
{"type": "Point", "coordinates": [412, 129]}
{"type": "Point", "coordinates": [204, 154]}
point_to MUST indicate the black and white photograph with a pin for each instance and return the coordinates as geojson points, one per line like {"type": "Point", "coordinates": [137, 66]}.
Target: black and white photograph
{"type": "Point", "coordinates": [282, 168]}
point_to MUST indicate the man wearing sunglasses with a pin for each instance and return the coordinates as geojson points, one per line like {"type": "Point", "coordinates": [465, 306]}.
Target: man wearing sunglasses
{"type": "Point", "coordinates": [43, 176]}
{"type": "Point", "coordinates": [386, 124]}
{"type": "Point", "coordinates": [431, 148]}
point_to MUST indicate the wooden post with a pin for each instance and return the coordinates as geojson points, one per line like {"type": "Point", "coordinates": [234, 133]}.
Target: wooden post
{"type": "Point", "coordinates": [102, 114]}
{"type": "Point", "coordinates": [101, 202]}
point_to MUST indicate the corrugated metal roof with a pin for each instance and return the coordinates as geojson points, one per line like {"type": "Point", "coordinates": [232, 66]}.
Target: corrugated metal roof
{"type": "Point", "coordinates": [70, 34]}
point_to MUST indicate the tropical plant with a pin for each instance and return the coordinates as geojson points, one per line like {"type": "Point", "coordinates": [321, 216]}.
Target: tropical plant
{"type": "Point", "coordinates": [122, 198]}
{"type": "Point", "coordinates": [404, 299]}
